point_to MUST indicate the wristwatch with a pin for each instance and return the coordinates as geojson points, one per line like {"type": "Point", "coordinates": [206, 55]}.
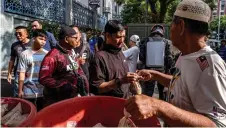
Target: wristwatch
{"type": "Point", "coordinates": [118, 82]}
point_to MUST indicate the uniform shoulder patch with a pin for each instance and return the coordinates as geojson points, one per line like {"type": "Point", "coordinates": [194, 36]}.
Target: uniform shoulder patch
{"type": "Point", "coordinates": [203, 63]}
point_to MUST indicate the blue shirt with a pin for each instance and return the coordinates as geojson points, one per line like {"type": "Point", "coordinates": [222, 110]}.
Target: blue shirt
{"type": "Point", "coordinates": [92, 43]}
{"type": "Point", "coordinates": [50, 41]}
{"type": "Point", "coordinates": [222, 53]}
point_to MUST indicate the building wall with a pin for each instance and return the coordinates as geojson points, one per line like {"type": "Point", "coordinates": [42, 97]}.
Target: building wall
{"type": "Point", "coordinates": [115, 9]}
{"type": "Point", "coordinates": [8, 23]}
{"type": "Point", "coordinates": [222, 11]}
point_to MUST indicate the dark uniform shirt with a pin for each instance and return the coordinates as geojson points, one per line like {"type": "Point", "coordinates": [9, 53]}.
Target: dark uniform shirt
{"type": "Point", "coordinates": [80, 51]}
{"type": "Point", "coordinates": [16, 49]}
{"type": "Point", "coordinates": [107, 65]}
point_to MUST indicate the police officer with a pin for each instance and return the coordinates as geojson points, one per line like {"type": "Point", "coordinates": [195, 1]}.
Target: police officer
{"type": "Point", "coordinates": [157, 36]}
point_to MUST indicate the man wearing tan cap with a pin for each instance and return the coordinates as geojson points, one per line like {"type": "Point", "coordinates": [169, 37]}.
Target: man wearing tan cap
{"type": "Point", "coordinates": [197, 85]}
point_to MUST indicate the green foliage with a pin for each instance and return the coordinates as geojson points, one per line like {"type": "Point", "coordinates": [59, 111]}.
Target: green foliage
{"type": "Point", "coordinates": [214, 23]}
{"type": "Point", "coordinates": [211, 3]}
{"type": "Point", "coordinates": [171, 9]}
{"type": "Point", "coordinates": [133, 13]}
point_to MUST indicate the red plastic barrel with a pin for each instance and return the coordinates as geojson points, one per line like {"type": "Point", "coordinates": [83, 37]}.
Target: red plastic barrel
{"type": "Point", "coordinates": [27, 108]}
{"type": "Point", "coordinates": [87, 112]}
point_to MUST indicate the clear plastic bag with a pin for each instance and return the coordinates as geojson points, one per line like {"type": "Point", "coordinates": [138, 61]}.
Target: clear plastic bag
{"type": "Point", "coordinates": [126, 121]}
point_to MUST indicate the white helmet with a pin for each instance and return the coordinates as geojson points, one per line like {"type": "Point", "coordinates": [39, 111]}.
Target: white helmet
{"type": "Point", "coordinates": [136, 39]}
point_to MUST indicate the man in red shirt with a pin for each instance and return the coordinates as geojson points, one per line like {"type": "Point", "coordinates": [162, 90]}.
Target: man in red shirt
{"type": "Point", "coordinates": [60, 71]}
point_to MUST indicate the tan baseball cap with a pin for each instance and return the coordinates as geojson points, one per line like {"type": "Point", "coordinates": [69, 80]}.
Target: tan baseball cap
{"type": "Point", "coordinates": [194, 9]}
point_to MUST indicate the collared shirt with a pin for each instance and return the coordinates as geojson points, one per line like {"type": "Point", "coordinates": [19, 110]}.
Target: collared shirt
{"type": "Point", "coordinates": [199, 85]}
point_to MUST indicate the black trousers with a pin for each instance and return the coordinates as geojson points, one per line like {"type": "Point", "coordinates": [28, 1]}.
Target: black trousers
{"type": "Point", "coordinates": [149, 86]}
{"type": "Point", "coordinates": [38, 102]}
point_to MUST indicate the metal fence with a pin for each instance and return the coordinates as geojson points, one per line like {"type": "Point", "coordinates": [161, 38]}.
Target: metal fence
{"type": "Point", "coordinates": [54, 10]}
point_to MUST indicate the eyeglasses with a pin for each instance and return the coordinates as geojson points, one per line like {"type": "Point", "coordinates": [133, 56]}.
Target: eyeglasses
{"type": "Point", "coordinates": [74, 37]}
{"type": "Point", "coordinates": [18, 33]}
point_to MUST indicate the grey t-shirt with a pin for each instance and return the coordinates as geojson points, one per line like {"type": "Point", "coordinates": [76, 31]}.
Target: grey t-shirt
{"type": "Point", "coordinates": [132, 57]}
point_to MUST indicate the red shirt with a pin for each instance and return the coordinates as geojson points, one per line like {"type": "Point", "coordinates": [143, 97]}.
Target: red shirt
{"type": "Point", "coordinates": [56, 69]}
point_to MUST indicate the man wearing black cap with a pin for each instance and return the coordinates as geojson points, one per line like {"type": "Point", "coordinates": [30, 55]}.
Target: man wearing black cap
{"type": "Point", "coordinates": [60, 72]}
{"type": "Point", "coordinates": [156, 46]}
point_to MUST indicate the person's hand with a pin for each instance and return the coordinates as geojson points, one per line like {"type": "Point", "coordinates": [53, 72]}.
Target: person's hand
{"type": "Point", "coordinates": [9, 78]}
{"type": "Point", "coordinates": [142, 106]}
{"type": "Point", "coordinates": [146, 74]}
{"type": "Point", "coordinates": [129, 78]}
{"type": "Point", "coordinates": [81, 60]}
{"type": "Point", "coordinates": [21, 94]}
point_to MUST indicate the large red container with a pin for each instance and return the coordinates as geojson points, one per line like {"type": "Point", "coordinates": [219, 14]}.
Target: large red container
{"type": "Point", "coordinates": [27, 108]}
{"type": "Point", "coordinates": [87, 112]}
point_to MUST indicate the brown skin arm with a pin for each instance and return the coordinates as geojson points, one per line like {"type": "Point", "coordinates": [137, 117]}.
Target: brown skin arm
{"type": "Point", "coordinates": [107, 86]}
{"type": "Point", "coordinates": [128, 78]}
{"type": "Point", "coordinates": [142, 107]}
{"type": "Point", "coordinates": [175, 116]}
{"type": "Point", "coordinates": [162, 78]}
{"type": "Point", "coordinates": [21, 84]}
{"type": "Point", "coordinates": [10, 69]}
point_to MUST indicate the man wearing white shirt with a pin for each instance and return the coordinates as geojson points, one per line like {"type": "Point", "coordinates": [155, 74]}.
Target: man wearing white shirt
{"type": "Point", "coordinates": [132, 53]}
{"type": "Point", "coordinates": [197, 85]}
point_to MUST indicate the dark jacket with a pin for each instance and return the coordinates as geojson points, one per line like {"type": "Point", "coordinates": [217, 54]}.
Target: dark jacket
{"type": "Point", "coordinates": [84, 48]}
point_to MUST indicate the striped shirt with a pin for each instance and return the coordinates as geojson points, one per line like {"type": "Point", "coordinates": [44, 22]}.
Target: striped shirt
{"type": "Point", "coordinates": [30, 62]}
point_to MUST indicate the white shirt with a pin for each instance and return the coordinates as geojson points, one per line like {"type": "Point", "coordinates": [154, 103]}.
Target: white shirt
{"type": "Point", "coordinates": [131, 55]}
{"type": "Point", "coordinates": [200, 86]}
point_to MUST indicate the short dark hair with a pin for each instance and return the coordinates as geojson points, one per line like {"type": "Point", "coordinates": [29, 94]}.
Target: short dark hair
{"type": "Point", "coordinates": [113, 26]}
{"type": "Point", "coordinates": [194, 26]}
{"type": "Point", "coordinates": [37, 21]}
{"type": "Point", "coordinates": [223, 41]}
{"type": "Point", "coordinates": [21, 27]}
{"type": "Point", "coordinates": [73, 26]}
{"type": "Point", "coordinates": [39, 32]}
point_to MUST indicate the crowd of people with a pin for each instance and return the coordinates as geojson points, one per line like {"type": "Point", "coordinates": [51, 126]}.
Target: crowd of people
{"type": "Point", "coordinates": [191, 77]}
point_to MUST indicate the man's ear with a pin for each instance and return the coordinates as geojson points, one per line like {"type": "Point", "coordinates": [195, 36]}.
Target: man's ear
{"type": "Point", "coordinates": [66, 39]}
{"type": "Point", "coordinates": [182, 27]}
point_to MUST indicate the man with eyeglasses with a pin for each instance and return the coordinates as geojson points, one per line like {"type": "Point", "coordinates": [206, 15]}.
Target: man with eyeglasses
{"type": "Point", "coordinates": [16, 49]}
{"type": "Point", "coordinates": [197, 86]}
{"type": "Point", "coordinates": [83, 51]}
{"type": "Point", "coordinates": [60, 72]}
{"type": "Point", "coordinates": [51, 41]}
